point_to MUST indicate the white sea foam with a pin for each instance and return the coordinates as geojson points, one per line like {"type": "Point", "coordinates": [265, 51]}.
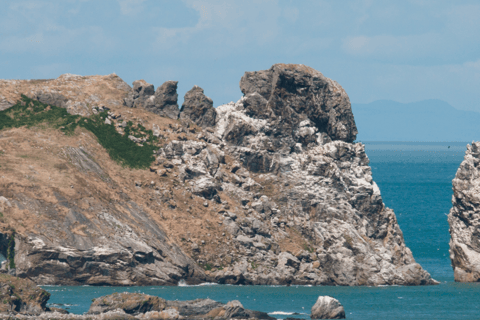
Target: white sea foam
{"type": "Point", "coordinates": [182, 283]}
{"type": "Point", "coordinates": [282, 313]}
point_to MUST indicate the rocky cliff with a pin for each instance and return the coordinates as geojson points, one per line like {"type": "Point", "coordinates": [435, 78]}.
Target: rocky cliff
{"type": "Point", "coordinates": [268, 190]}
{"type": "Point", "coordinates": [464, 218]}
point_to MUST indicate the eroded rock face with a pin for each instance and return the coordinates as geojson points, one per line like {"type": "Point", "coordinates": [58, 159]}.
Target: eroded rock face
{"type": "Point", "coordinates": [120, 244]}
{"type": "Point", "coordinates": [327, 308]}
{"type": "Point", "coordinates": [166, 100]}
{"type": "Point", "coordinates": [291, 97]}
{"type": "Point", "coordinates": [198, 108]}
{"type": "Point", "coordinates": [464, 218]}
{"type": "Point", "coordinates": [140, 95]}
{"type": "Point", "coordinates": [162, 102]}
{"type": "Point", "coordinates": [100, 260]}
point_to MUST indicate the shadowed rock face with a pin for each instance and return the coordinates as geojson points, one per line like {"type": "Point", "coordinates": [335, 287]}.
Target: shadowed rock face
{"type": "Point", "coordinates": [198, 108]}
{"type": "Point", "coordinates": [162, 102]}
{"type": "Point", "coordinates": [288, 95]}
{"type": "Point", "coordinates": [141, 92]}
{"type": "Point", "coordinates": [166, 100]}
{"type": "Point", "coordinates": [464, 218]}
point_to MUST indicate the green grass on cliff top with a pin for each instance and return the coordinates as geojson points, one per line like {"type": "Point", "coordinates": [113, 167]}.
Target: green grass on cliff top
{"type": "Point", "coordinates": [28, 112]}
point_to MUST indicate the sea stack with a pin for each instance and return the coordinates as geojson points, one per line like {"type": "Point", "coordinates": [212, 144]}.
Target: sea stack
{"type": "Point", "coordinates": [464, 218]}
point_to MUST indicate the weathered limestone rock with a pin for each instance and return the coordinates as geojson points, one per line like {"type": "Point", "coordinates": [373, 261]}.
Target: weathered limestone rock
{"type": "Point", "coordinates": [464, 218]}
{"type": "Point", "coordinates": [327, 308]}
{"type": "Point", "coordinates": [198, 108]}
{"type": "Point", "coordinates": [166, 100]}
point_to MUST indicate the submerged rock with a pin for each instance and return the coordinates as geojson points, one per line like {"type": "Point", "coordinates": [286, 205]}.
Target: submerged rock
{"type": "Point", "coordinates": [327, 308]}
{"type": "Point", "coordinates": [464, 218]}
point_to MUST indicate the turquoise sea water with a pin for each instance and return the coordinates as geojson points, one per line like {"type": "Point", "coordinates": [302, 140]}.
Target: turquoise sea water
{"type": "Point", "coordinates": [415, 180]}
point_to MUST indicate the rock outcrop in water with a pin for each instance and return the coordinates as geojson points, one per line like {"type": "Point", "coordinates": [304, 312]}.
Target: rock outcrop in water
{"type": "Point", "coordinates": [22, 299]}
{"type": "Point", "coordinates": [464, 218]}
{"type": "Point", "coordinates": [268, 190]}
{"type": "Point", "coordinates": [327, 308]}
{"type": "Point", "coordinates": [157, 308]}
{"type": "Point", "coordinates": [21, 296]}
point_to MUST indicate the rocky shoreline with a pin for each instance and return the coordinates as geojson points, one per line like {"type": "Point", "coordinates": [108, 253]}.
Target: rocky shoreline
{"type": "Point", "coordinates": [22, 299]}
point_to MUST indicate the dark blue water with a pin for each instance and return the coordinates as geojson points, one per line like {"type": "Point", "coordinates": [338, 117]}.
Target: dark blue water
{"type": "Point", "coordinates": [415, 180]}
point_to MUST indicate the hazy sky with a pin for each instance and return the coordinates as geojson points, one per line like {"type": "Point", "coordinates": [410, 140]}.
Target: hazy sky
{"type": "Point", "coordinates": [399, 50]}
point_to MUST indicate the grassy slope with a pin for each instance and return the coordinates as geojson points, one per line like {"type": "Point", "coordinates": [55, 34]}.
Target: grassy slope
{"type": "Point", "coordinates": [29, 112]}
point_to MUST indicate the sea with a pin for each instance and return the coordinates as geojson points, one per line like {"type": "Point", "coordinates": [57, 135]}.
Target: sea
{"type": "Point", "coordinates": [415, 179]}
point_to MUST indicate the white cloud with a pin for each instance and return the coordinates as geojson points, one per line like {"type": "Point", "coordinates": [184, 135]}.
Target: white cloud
{"type": "Point", "coordinates": [224, 26]}
{"type": "Point", "coordinates": [131, 7]}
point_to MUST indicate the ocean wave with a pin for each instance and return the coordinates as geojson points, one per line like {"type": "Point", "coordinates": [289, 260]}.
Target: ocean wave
{"type": "Point", "coordinates": [284, 313]}
{"type": "Point", "coordinates": [182, 283]}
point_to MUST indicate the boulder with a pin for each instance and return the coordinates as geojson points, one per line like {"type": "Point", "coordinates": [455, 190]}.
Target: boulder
{"type": "Point", "coordinates": [131, 303]}
{"type": "Point", "coordinates": [21, 296]}
{"type": "Point", "coordinates": [165, 101]}
{"type": "Point", "coordinates": [235, 309]}
{"type": "Point", "coordinates": [327, 308]}
{"type": "Point", "coordinates": [206, 187]}
{"type": "Point", "coordinates": [148, 307]}
{"type": "Point", "coordinates": [198, 108]}
{"type": "Point", "coordinates": [194, 308]}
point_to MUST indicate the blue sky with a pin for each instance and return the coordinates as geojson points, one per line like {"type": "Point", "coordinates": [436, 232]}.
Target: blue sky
{"type": "Point", "coordinates": [398, 50]}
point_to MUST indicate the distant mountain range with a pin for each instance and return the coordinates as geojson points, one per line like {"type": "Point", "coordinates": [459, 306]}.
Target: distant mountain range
{"type": "Point", "coordinates": [429, 120]}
